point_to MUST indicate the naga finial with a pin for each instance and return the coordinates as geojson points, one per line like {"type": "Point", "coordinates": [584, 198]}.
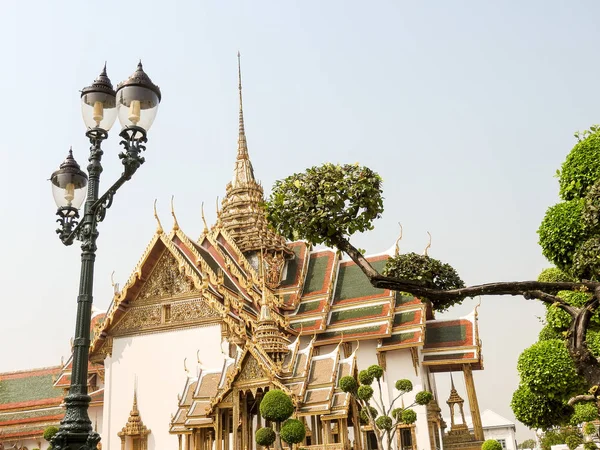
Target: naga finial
{"type": "Point", "coordinates": [428, 245]}
{"type": "Point", "coordinates": [185, 366]}
{"type": "Point", "coordinates": [204, 220]}
{"type": "Point", "coordinates": [175, 223]}
{"type": "Point", "coordinates": [159, 228]}
{"type": "Point", "coordinates": [198, 356]}
{"type": "Point", "coordinates": [397, 250]}
{"type": "Point", "coordinates": [477, 307]}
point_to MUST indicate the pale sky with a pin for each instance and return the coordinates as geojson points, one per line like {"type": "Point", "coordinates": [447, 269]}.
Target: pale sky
{"type": "Point", "coordinates": [466, 109]}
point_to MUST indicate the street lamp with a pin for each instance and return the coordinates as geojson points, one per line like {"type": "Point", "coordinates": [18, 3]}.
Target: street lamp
{"type": "Point", "coordinates": [135, 102]}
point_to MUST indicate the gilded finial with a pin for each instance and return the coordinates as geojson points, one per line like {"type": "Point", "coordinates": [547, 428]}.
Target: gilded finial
{"type": "Point", "coordinates": [452, 382]}
{"type": "Point", "coordinates": [198, 356]}
{"type": "Point", "coordinates": [477, 307]}
{"type": "Point", "coordinates": [175, 223]}
{"type": "Point", "coordinates": [204, 220]}
{"type": "Point", "coordinates": [397, 251]}
{"type": "Point", "coordinates": [62, 361]}
{"type": "Point", "coordinates": [428, 245]}
{"type": "Point", "coordinates": [185, 366]}
{"type": "Point", "coordinates": [218, 205]}
{"type": "Point", "coordinates": [159, 228]}
{"type": "Point", "coordinates": [357, 345]}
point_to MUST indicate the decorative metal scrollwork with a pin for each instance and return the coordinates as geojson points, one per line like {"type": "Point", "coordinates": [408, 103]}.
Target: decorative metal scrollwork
{"type": "Point", "coordinates": [106, 202]}
{"type": "Point", "coordinates": [68, 220]}
{"type": "Point", "coordinates": [134, 138]}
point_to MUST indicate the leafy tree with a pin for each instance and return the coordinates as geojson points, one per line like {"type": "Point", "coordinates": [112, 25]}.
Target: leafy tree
{"type": "Point", "coordinates": [265, 436]}
{"type": "Point", "coordinates": [49, 433]}
{"type": "Point", "coordinates": [293, 432]}
{"type": "Point", "coordinates": [558, 436]}
{"type": "Point", "coordinates": [276, 406]}
{"type": "Point", "coordinates": [529, 443]}
{"type": "Point", "coordinates": [328, 204]}
{"type": "Point", "coordinates": [491, 444]}
{"type": "Point", "coordinates": [382, 418]}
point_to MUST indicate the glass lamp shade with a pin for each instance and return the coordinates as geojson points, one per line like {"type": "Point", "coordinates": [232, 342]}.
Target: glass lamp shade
{"type": "Point", "coordinates": [68, 184]}
{"type": "Point", "coordinates": [137, 100]}
{"type": "Point", "coordinates": [98, 103]}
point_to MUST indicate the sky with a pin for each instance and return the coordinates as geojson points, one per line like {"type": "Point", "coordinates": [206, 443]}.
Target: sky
{"type": "Point", "coordinates": [465, 108]}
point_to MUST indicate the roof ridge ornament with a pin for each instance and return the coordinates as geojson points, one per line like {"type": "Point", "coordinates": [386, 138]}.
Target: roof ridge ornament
{"type": "Point", "coordinates": [205, 231]}
{"type": "Point", "coordinates": [428, 245]}
{"type": "Point", "coordinates": [397, 249]}
{"type": "Point", "coordinates": [159, 229]}
{"type": "Point", "coordinates": [175, 223]}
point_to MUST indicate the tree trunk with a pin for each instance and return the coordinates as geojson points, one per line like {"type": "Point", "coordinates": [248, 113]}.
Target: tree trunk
{"type": "Point", "coordinates": [278, 445]}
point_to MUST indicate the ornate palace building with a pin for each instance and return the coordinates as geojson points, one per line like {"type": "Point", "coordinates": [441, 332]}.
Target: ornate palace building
{"type": "Point", "coordinates": [203, 328]}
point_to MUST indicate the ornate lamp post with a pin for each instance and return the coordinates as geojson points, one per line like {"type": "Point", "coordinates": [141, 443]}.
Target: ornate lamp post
{"type": "Point", "coordinates": [135, 102]}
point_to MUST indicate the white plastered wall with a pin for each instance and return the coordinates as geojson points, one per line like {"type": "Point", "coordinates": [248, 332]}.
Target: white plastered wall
{"type": "Point", "coordinates": [156, 362]}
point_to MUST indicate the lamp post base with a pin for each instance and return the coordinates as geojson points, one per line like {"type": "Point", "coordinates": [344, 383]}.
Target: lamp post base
{"type": "Point", "coordinates": [76, 428]}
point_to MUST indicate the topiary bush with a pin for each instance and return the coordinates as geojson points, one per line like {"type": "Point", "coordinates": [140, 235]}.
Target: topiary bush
{"type": "Point", "coordinates": [538, 411]}
{"type": "Point", "coordinates": [584, 412]}
{"type": "Point", "coordinates": [562, 231]}
{"type": "Point", "coordinates": [293, 431]}
{"type": "Point", "coordinates": [365, 377]}
{"type": "Point", "coordinates": [276, 406]}
{"type": "Point", "coordinates": [348, 384]}
{"type": "Point", "coordinates": [423, 398]}
{"type": "Point", "coordinates": [554, 275]}
{"type": "Point", "coordinates": [265, 436]}
{"type": "Point", "coordinates": [427, 271]}
{"type": "Point", "coordinates": [586, 260]}
{"type": "Point", "coordinates": [365, 392]}
{"type": "Point", "coordinates": [491, 444]}
{"type": "Point", "coordinates": [364, 418]}
{"type": "Point", "coordinates": [375, 371]}
{"type": "Point", "coordinates": [384, 423]}
{"type": "Point", "coordinates": [581, 169]}
{"type": "Point", "coordinates": [50, 432]}
{"type": "Point", "coordinates": [404, 385]}
{"type": "Point", "coordinates": [408, 416]}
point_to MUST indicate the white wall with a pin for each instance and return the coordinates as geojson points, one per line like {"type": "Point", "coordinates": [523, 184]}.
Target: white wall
{"type": "Point", "coordinates": [506, 433]}
{"type": "Point", "coordinates": [156, 361]}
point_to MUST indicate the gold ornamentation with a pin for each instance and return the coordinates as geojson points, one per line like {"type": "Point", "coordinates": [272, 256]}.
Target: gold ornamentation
{"type": "Point", "coordinates": [138, 319]}
{"type": "Point", "coordinates": [273, 267]}
{"type": "Point", "coordinates": [159, 228]}
{"type": "Point", "coordinates": [166, 281]}
{"type": "Point", "coordinates": [251, 371]}
{"type": "Point", "coordinates": [191, 310]}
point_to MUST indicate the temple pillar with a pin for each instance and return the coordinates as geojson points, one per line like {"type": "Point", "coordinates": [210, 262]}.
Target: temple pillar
{"type": "Point", "coordinates": [218, 430]}
{"type": "Point", "coordinates": [179, 439]}
{"type": "Point", "coordinates": [236, 419]}
{"type": "Point", "coordinates": [244, 412]}
{"type": "Point", "coordinates": [473, 403]}
{"type": "Point", "coordinates": [227, 428]}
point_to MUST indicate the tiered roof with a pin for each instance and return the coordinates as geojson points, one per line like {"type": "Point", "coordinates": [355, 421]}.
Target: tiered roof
{"type": "Point", "coordinates": [29, 403]}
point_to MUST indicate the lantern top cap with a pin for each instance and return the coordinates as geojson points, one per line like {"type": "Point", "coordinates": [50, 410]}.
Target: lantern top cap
{"type": "Point", "coordinates": [140, 78]}
{"type": "Point", "coordinates": [101, 84]}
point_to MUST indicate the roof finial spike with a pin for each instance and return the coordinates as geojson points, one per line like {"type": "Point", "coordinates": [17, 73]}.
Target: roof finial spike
{"type": "Point", "coordinates": [242, 146]}
{"type": "Point", "coordinates": [159, 228]}
{"type": "Point", "coordinates": [428, 245]}
{"type": "Point", "coordinates": [397, 251]}
{"type": "Point", "coordinates": [204, 220]}
{"type": "Point", "coordinates": [104, 70]}
{"type": "Point", "coordinates": [452, 382]}
{"type": "Point", "coordinates": [185, 366]}
{"type": "Point", "coordinates": [175, 223]}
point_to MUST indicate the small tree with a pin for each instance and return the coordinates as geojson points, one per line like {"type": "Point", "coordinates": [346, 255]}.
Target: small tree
{"type": "Point", "coordinates": [383, 420]}
{"type": "Point", "coordinates": [49, 434]}
{"type": "Point", "coordinates": [293, 432]}
{"type": "Point", "coordinates": [573, 441]}
{"type": "Point", "coordinates": [277, 407]}
{"type": "Point", "coordinates": [529, 443]}
{"type": "Point", "coordinates": [491, 444]}
{"type": "Point", "coordinates": [265, 436]}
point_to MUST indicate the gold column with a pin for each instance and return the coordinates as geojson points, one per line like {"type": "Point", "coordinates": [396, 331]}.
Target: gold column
{"type": "Point", "coordinates": [244, 411]}
{"type": "Point", "coordinates": [218, 430]}
{"type": "Point", "coordinates": [236, 419]}
{"type": "Point", "coordinates": [179, 439]}
{"type": "Point", "coordinates": [227, 427]}
{"type": "Point", "coordinates": [473, 404]}
{"type": "Point", "coordinates": [122, 442]}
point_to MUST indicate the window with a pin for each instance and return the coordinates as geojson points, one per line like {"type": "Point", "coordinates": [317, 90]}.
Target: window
{"type": "Point", "coordinates": [502, 442]}
{"type": "Point", "coordinates": [406, 442]}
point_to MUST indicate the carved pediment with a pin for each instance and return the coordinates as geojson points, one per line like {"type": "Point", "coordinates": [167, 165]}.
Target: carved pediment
{"type": "Point", "coordinates": [251, 371]}
{"type": "Point", "coordinates": [166, 281]}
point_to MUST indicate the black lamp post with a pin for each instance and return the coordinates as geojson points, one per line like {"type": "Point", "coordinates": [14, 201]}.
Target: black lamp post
{"type": "Point", "coordinates": [135, 102]}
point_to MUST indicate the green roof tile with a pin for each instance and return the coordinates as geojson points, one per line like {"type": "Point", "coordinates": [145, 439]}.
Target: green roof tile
{"type": "Point", "coordinates": [404, 317]}
{"type": "Point", "coordinates": [315, 275]}
{"type": "Point", "coordinates": [308, 307]}
{"type": "Point", "coordinates": [293, 266]}
{"type": "Point", "coordinates": [28, 388]}
{"type": "Point", "coordinates": [352, 282]}
{"type": "Point", "coordinates": [306, 324]}
{"type": "Point", "coordinates": [21, 415]}
{"type": "Point", "coordinates": [356, 313]}
{"type": "Point", "coordinates": [446, 334]}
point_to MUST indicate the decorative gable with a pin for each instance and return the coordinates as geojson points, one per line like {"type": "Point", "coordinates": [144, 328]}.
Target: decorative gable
{"type": "Point", "coordinates": [251, 371]}
{"type": "Point", "coordinates": [166, 281]}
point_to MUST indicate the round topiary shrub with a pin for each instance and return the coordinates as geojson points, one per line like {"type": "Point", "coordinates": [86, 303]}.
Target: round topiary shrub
{"type": "Point", "coordinates": [50, 432]}
{"type": "Point", "coordinates": [292, 431]}
{"type": "Point", "coordinates": [384, 423]}
{"type": "Point", "coordinates": [586, 260]}
{"type": "Point", "coordinates": [491, 444]}
{"type": "Point", "coordinates": [538, 411]}
{"type": "Point", "coordinates": [365, 392]}
{"type": "Point", "coordinates": [573, 441]}
{"type": "Point", "coordinates": [364, 418]}
{"type": "Point", "coordinates": [562, 231]}
{"type": "Point", "coordinates": [276, 406]}
{"type": "Point", "coordinates": [375, 371]}
{"type": "Point", "coordinates": [365, 377]}
{"type": "Point", "coordinates": [581, 169]}
{"type": "Point", "coordinates": [348, 384]}
{"type": "Point", "coordinates": [554, 275]}
{"type": "Point", "coordinates": [408, 416]}
{"type": "Point", "coordinates": [423, 397]}
{"type": "Point", "coordinates": [404, 385]}
{"type": "Point", "coordinates": [265, 436]}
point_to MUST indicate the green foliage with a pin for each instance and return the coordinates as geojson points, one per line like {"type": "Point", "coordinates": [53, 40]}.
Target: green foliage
{"type": "Point", "coordinates": [557, 318]}
{"type": "Point", "coordinates": [384, 423]}
{"type": "Point", "coordinates": [427, 271]}
{"type": "Point", "coordinates": [586, 260]}
{"type": "Point", "coordinates": [276, 406]}
{"type": "Point", "coordinates": [550, 333]}
{"type": "Point", "coordinates": [375, 371]}
{"type": "Point", "coordinates": [408, 416]}
{"type": "Point", "coordinates": [491, 444]}
{"type": "Point", "coordinates": [584, 412]}
{"type": "Point", "coordinates": [591, 210]}
{"type": "Point", "coordinates": [529, 443]}
{"type": "Point", "coordinates": [554, 275]}
{"type": "Point", "coordinates": [326, 202]}
{"type": "Point", "coordinates": [573, 441]}
{"type": "Point", "coordinates": [292, 431]}
{"type": "Point", "coordinates": [365, 392]}
{"type": "Point", "coordinates": [423, 397]}
{"type": "Point", "coordinates": [589, 429]}
{"type": "Point", "coordinates": [589, 446]}
{"type": "Point", "coordinates": [265, 436]}
{"type": "Point", "coordinates": [547, 369]}
{"type": "Point", "coordinates": [50, 432]}
{"type": "Point", "coordinates": [364, 418]}
{"type": "Point", "coordinates": [562, 231]}
{"type": "Point", "coordinates": [538, 411]}
{"type": "Point", "coordinates": [348, 384]}
{"type": "Point", "coordinates": [365, 377]}
{"type": "Point", "coordinates": [581, 169]}
{"type": "Point", "coordinates": [404, 385]}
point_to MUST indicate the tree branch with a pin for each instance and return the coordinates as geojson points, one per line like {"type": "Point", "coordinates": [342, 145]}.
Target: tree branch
{"type": "Point", "coordinates": [580, 399]}
{"type": "Point", "coordinates": [552, 300]}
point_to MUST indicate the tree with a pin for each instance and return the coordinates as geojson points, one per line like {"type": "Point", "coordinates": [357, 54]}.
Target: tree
{"type": "Point", "coordinates": [328, 204]}
{"type": "Point", "coordinates": [49, 433]}
{"type": "Point", "coordinates": [276, 406]}
{"type": "Point", "coordinates": [558, 436]}
{"type": "Point", "coordinates": [382, 418]}
{"type": "Point", "coordinates": [293, 432]}
{"type": "Point", "coordinates": [491, 444]}
{"type": "Point", "coordinates": [529, 443]}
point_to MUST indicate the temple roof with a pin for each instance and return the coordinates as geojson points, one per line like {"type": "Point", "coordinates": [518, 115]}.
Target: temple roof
{"type": "Point", "coordinates": [29, 403]}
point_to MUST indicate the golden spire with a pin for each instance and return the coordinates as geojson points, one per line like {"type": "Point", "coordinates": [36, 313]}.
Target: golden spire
{"type": "Point", "coordinates": [244, 173]}
{"type": "Point", "coordinates": [159, 228]}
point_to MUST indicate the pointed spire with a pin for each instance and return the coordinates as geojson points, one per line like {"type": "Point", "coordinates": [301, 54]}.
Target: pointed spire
{"type": "Point", "coordinates": [452, 382]}
{"type": "Point", "coordinates": [242, 144]}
